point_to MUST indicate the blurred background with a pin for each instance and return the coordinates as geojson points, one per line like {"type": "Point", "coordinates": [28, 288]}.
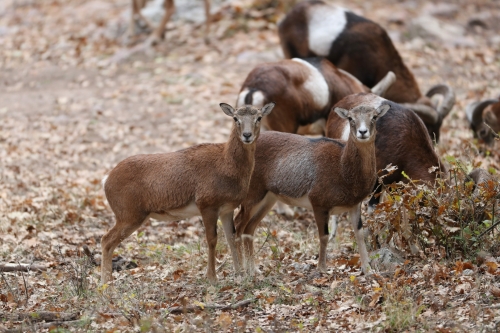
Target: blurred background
{"type": "Point", "coordinates": [77, 96]}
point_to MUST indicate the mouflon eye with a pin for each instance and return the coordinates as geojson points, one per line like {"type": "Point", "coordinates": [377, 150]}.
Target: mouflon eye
{"type": "Point", "coordinates": [258, 119]}
{"type": "Point", "coordinates": [235, 119]}
{"type": "Point", "coordinates": [349, 118]}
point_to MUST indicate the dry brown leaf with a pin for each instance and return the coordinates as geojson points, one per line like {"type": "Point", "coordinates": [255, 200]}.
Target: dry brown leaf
{"type": "Point", "coordinates": [354, 261]}
{"type": "Point", "coordinates": [492, 267]}
{"type": "Point", "coordinates": [224, 320]}
{"type": "Point", "coordinates": [495, 291]}
{"type": "Point", "coordinates": [463, 288]}
{"type": "Point", "coordinates": [375, 299]}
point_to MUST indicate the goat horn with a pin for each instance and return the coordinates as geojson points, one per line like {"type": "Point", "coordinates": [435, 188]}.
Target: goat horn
{"type": "Point", "coordinates": [448, 98]}
{"type": "Point", "coordinates": [426, 113]}
{"type": "Point", "coordinates": [384, 84]}
{"type": "Point", "coordinates": [474, 111]}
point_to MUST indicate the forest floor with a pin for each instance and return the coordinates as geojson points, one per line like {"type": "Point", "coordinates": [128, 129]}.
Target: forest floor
{"type": "Point", "coordinates": [75, 100]}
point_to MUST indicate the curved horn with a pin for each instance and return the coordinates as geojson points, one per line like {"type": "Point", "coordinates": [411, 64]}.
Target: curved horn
{"type": "Point", "coordinates": [425, 112]}
{"type": "Point", "coordinates": [448, 98]}
{"type": "Point", "coordinates": [474, 111]}
{"type": "Point", "coordinates": [384, 84]}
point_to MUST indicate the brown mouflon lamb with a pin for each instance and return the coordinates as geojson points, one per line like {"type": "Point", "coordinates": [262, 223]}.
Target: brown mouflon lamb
{"type": "Point", "coordinates": [325, 175]}
{"type": "Point", "coordinates": [210, 180]}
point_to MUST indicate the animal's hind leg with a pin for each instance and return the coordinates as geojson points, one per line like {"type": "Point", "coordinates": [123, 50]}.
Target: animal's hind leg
{"type": "Point", "coordinates": [207, 17]}
{"type": "Point", "coordinates": [259, 212]}
{"type": "Point", "coordinates": [122, 229]}
{"type": "Point", "coordinates": [332, 227]}
{"type": "Point", "coordinates": [284, 209]}
{"type": "Point", "coordinates": [230, 233]}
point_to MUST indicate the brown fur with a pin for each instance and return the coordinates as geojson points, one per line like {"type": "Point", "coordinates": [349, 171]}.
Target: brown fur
{"type": "Point", "coordinates": [331, 174]}
{"type": "Point", "coordinates": [365, 50]}
{"type": "Point", "coordinates": [484, 119]}
{"type": "Point", "coordinates": [215, 177]}
{"type": "Point", "coordinates": [159, 31]}
{"type": "Point", "coordinates": [402, 140]}
{"type": "Point", "coordinates": [283, 83]}
{"type": "Point", "coordinates": [492, 116]}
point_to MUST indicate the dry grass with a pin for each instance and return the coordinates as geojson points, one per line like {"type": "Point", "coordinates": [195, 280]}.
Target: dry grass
{"type": "Point", "coordinates": [70, 114]}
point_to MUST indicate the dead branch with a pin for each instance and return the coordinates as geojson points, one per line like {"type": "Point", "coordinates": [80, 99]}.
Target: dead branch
{"type": "Point", "coordinates": [49, 325]}
{"type": "Point", "coordinates": [89, 254]}
{"type": "Point", "coordinates": [221, 265]}
{"type": "Point", "coordinates": [39, 316]}
{"type": "Point", "coordinates": [10, 267]}
{"type": "Point", "coordinates": [193, 308]}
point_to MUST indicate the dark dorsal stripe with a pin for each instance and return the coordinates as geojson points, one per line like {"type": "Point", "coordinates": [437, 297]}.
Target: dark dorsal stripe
{"type": "Point", "coordinates": [249, 96]}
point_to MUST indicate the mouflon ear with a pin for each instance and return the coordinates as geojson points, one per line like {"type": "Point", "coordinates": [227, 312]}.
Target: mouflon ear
{"type": "Point", "coordinates": [381, 110]}
{"type": "Point", "coordinates": [343, 113]}
{"type": "Point", "coordinates": [266, 109]}
{"type": "Point", "coordinates": [228, 109]}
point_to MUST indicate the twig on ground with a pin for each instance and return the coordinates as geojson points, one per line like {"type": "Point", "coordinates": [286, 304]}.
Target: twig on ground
{"type": "Point", "coordinates": [49, 325]}
{"type": "Point", "coordinates": [193, 308]}
{"type": "Point", "coordinates": [19, 267]}
{"type": "Point", "coordinates": [25, 286]}
{"type": "Point", "coordinates": [89, 254]}
{"type": "Point", "coordinates": [489, 229]}
{"type": "Point", "coordinates": [40, 316]}
{"type": "Point", "coordinates": [221, 265]}
{"type": "Point", "coordinates": [8, 286]}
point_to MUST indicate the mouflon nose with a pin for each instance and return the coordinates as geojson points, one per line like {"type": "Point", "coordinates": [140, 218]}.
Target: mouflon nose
{"type": "Point", "coordinates": [363, 132]}
{"type": "Point", "coordinates": [247, 135]}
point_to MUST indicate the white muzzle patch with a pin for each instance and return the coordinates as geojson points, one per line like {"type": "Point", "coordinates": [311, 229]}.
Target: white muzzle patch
{"type": "Point", "coordinates": [363, 133]}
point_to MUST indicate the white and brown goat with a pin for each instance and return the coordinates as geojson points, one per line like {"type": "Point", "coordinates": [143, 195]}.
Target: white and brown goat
{"type": "Point", "coordinates": [402, 140]}
{"type": "Point", "coordinates": [209, 180]}
{"type": "Point", "coordinates": [364, 49]}
{"type": "Point", "coordinates": [304, 91]}
{"type": "Point", "coordinates": [484, 119]}
{"type": "Point", "coordinates": [325, 175]}
{"type": "Point", "coordinates": [158, 33]}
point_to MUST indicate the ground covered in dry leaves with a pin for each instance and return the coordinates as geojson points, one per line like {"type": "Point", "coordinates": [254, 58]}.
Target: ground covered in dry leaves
{"type": "Point", "coordinates": [75, 100]}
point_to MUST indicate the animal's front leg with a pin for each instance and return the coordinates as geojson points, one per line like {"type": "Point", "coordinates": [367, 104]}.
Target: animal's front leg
{"type": "Point", "coordinates": [321, 216]}
{"type": "Point", "coordinates": [159, 32]}
{"type": "Point", "coordinates": [136, 18]}
{"type": "Point", "coordinates": [357, 226]}
{"type": "Point", "coordinates": [209, 217]}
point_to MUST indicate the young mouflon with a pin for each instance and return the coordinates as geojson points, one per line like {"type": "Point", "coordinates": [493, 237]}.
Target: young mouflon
{"type": "Point", "coordinates": [325, 175]}
{"type": "Point", "coordinates": [210, 180]}
{"type": "Point", "coordinates": [402, 141]}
